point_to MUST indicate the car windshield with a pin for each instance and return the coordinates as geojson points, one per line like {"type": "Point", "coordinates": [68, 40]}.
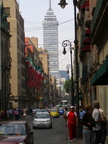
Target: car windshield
{"type": "Point", "coordinates": [36, 110]}
{"type": "Point", "coordinates": [40, 115]}
{"type": "Point", "coordinates": [12, 129]}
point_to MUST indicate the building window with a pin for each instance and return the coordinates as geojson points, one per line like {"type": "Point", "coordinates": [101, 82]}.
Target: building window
{"type": "Point", "coordinates": [7, 11]}
{"type": "Point", "coordinates": [19, 88]}
{"type": "Point", "coordinates": [19, 58]}
{"type": "Point", "coordinates": [18, 73]}
{"type": "Point", "coordinates": [41, 58]}
{"type": "Point", "coordinates": [8, 25]}
{"type": "Point", "coordinates": [22, 71]}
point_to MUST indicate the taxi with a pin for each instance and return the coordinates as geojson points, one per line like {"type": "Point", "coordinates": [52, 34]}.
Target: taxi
{"type": "Point", "coordinates": [54, 113]}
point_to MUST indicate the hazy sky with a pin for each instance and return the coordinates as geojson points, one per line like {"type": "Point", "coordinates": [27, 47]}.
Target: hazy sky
{"type": "Point", "coordinates": [33, 12]}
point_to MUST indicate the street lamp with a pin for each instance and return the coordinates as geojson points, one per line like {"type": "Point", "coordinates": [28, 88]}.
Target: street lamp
{"type": "Point", "coordinates": [67, 43]}
{"type": "Point", "coordinates": [72, 83]}
{"type": "Point", "coordinates": [67, 67]}
{"type": "Point", "coordinates": [78, 130]}
{"type": "Point", "coordinates": [63, 3]}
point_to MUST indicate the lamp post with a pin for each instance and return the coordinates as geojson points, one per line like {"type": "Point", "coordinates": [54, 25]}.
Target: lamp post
{"type": "Point", "coordinates": [72, 83]}
{"type": "Point", "coordinates": [67, 67]}
{"type": "Point", "coordinates": [63, 4]}
{"type": "Point", "coordinates": [67, 43]}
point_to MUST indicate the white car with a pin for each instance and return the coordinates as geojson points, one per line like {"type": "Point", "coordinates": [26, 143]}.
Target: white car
{"type": "Point", "coordinates": [42, 120]}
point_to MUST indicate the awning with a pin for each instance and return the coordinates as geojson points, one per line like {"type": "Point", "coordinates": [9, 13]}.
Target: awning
{"type": "Point", "coordinates": [85, 5]}
{"type": "Point", "coordinates": [87, 32]}
{"type": "Point", "coordinates": [85, 48]}
{"type": "Point", "coordinates": [101, 75]}
{"type": "Point", "coordinates": [86, 40]}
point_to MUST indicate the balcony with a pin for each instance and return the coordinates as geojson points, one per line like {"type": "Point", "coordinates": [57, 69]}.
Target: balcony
{"type": "Point", "coordinates": [85, 6]}
{"type": "Point", "coordinates": [99, 20]}
{"type": "Point", "coordinates": [85, 48]}
{"type": "Point", "coordinates": [84, 74]}
{"type": "Point", "coordinates": [86, 41]}
{"type": "Point", "coordinates": [87, 32]}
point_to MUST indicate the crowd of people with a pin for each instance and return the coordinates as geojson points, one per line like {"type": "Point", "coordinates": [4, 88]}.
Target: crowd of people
{"type": "Point", "coordinates": [92, 120]}
{"type": "Point", "coordinates": [14, 113]}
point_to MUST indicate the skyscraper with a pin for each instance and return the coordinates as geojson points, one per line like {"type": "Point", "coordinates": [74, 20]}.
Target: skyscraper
{"type": "Point", "coordinates": [50, 41]}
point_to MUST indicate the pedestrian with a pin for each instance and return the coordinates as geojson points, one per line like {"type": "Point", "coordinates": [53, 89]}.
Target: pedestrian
{"type": "Point", "coordinates": [103, 127]}
{"type": "Point", "coordinates": [98, 120]}
{"type": "Point", "coordinates": [88, 124]}
{"type": "Point", "coordinates": [10, 114]}
{"type": "Point", "coordinates": [81, 113]}
{"type": "Point", "coordinates": [16, 114]}
{"type": "Point", "coordinates": [24, 112]}
{"type": "Point", "coordinates": [3, 115]}
{"type": "Point", "coordinates": [65, 115]}
{"type": "Point", "coordinates": [71, 123]}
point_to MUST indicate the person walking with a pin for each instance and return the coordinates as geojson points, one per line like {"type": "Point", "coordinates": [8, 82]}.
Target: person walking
{"type": "Point", "coordinates": [97, 117]}
{"type": "Point", "coordinates": [81, 113]}
{"type": "Point", "coordinates": [88, 124]}
{"type": "Point", "coordinates": [103, 127]}
{"type": "Point", "coordinates": [65, 115]}
{"type": "Point", "coordinates": [71, 123]}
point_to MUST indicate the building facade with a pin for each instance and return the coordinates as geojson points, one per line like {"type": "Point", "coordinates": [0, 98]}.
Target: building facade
{"type": "Point", "coordinates": [16, 28]}
{"type": "Point", "coordinates": [93, 51]}
{"type": "Point", "coordinates": [34, 75]}
{"type": "Point", "coordinates": [5, 61]}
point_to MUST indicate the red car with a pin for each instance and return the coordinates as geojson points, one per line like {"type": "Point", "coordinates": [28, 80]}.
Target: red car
{"type": "Point", "coordinates": [15, 132]}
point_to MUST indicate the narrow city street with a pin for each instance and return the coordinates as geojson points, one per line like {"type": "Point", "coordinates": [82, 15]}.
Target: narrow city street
{"type": "Point", "coordinates": [56, 135]}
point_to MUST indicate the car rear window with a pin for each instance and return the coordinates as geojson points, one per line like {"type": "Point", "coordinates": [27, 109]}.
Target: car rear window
{"type": "Point", "coordinates": [42, 115]}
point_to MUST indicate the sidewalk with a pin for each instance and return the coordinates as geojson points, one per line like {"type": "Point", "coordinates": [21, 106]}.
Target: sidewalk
{"type": "Point", "coordinates": [81, 141]}
{"type": "Point", "coordinates": [76, 141]}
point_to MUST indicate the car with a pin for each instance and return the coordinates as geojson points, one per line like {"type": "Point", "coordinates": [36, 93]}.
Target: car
{"type": "Point", "coordinates": [34, 111]}
{"type": "Point", "coordinates": [61, 111]}
{"type": "Point", "coordinates": [56, 108]}
{"type": "Point", "coordinates": [15, 132]}
{"type": "Point", "coordinates": [54, 113]}
{"type": "Point", "coordinates": [42, 120]}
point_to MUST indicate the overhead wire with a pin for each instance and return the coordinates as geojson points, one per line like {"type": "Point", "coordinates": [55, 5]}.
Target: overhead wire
{"type": "Point", "coordinates": [31, 28]}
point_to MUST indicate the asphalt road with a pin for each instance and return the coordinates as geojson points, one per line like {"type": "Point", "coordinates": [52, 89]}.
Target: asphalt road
{"type": "Point", "coordinates": [57, 135]}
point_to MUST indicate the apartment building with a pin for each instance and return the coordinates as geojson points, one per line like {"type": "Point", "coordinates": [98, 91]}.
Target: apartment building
{"type": "Point", "coordinates": [5, 61]}
{"type": "Point", "coordinates": [16, 29]}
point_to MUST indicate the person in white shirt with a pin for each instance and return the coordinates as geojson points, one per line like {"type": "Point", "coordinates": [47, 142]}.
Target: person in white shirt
{"type": "Point", "coordinates": [103, 127]}
{"type": "Point", "coordinates": [96, 116]}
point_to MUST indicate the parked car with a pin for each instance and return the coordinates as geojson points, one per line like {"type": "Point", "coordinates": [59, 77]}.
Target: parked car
{"type": "Point", "coordinates": [42, 120]}
{"type": "Point", "coordinates": [54, 112]}
{"type": "Point", "coordinates": [15, 132]}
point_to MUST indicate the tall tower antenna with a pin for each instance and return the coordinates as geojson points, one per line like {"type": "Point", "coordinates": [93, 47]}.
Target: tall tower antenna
{"type": "Point", "coordinates": [50, 5]}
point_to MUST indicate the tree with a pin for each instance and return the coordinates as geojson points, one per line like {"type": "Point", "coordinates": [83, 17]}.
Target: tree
{"type": "Point", "coordinates": [67, 86]}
